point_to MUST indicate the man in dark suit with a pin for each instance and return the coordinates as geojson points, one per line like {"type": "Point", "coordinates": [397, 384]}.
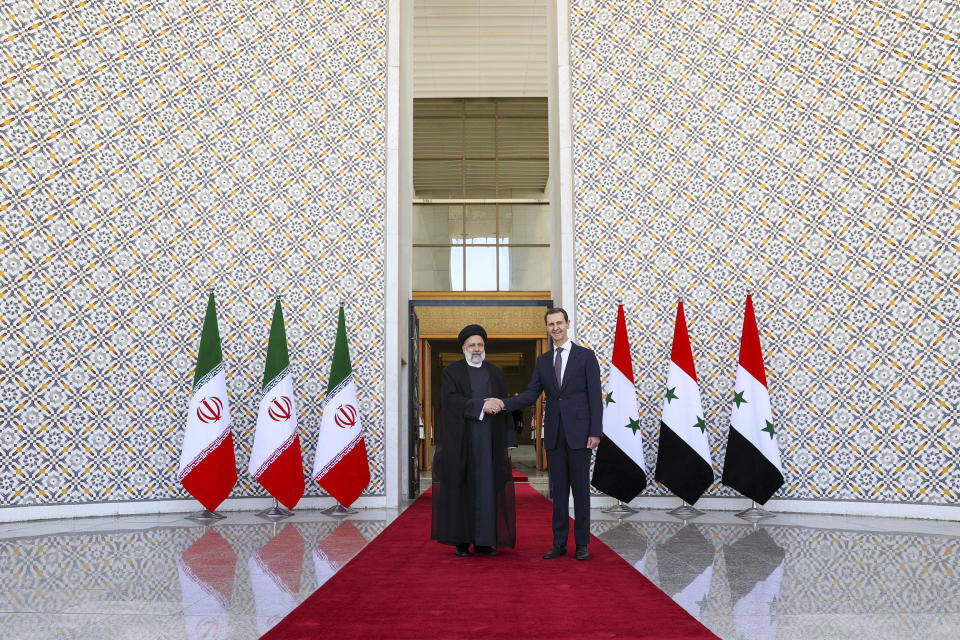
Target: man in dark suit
{"type": "Point", "coordinates": [569, 376]}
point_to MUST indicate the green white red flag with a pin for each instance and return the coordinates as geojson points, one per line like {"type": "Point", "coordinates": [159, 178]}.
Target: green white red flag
{"type": "Point", "coordinates": [276, 461]}
{"type": "Point", "coordinates": [341, 465]}
{"type": "Point", "coordinates": [208, 467]}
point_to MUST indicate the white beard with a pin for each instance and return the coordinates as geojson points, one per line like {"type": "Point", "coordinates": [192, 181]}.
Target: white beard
{"type": "Point", "coordinates": [474, 360]}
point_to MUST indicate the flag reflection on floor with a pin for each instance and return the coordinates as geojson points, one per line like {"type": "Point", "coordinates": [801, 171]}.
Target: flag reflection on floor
{"type": "Point", "coordinates": [207, 569]}
{"type": "Point", "coordinates": [754, 572]}
{"type": "Point", "coordinates": [275, 572]}
{"type": "Point", "coordinates": [685, 564]}
{"type": "Point", "coordinates": [336, 549]}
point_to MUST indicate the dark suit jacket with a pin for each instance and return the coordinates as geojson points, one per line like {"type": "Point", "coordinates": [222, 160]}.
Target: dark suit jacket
{"type": "Point", "coordinates": [578, 403]}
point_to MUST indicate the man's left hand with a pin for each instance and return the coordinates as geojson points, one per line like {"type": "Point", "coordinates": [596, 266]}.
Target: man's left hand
{"type": "Point", "coordinates": [593, 442]}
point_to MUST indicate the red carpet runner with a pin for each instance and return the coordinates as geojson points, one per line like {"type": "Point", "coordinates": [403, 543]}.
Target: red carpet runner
{"type": "Point", "coordinates": [519, 476]}
{"type": "Point", "coordinates": [404, 585]}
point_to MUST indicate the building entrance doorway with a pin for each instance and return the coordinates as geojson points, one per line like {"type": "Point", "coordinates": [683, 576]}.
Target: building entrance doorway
{"type": "Point", "coordinates": [515, 338]}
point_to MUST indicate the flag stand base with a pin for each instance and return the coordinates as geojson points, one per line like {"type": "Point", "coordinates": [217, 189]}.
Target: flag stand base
{"type": "Point", "coordinates": [205, 516]}
{"type": "Point", "coordinates": [685, 512]}
{"type": "Point", "coordinates": [755, 513]}
{"type": "Point", "coordinates": [620, 508]}
{"type": "Point", "coordinates": [338, 510]}
{"type": "Point", "coordinates": [274, 513]}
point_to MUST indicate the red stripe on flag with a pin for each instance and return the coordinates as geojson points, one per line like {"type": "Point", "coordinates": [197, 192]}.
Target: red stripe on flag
{"type": "Point", "coordinates": [349, 477]}
{"type": "Point", "coordinates": [621, 347]}
{"type": "Point", "coordinates": [751, 356]}
{"type": "Point", "coordinates": [284, 477]}
{"type": "Point", "coordinates": [212, 479]}
{"type": "Point", "coordinates": [682, 355]}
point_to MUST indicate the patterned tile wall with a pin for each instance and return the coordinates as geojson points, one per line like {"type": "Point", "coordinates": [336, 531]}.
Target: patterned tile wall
{"type": "Point", "coordinates": [805, 152]}
{"type": "Point", "coordinates": [150, 153]}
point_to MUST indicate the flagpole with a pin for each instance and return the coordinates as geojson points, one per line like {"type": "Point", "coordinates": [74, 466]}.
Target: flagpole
{"type": "Point", "coordinates": [754, 513]}
{"type": "Point", "coordinates": [275, 512]}
{"type": "Point", "coordinates": [338, 510]}
{"type": "Point", "coordinates": [205, 516]}
{"type": "Point", "coordinates": [685, 511]}
{"type": "Point", "coordinates": [621, 508]}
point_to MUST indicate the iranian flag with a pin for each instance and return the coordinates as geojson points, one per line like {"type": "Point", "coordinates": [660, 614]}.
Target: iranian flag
{"type": "Point", "coordinates": [276, 461]}
{"type": "Point", "coordinates": [208, 468]}
{"type": "Point", "coordinates": [683, 458]}
{"type": "Point", "coordinates": [619, 470]}
{"type": "Point", "coordinates": [752, 465]}
{"type": "Point", "coordinates": [341, 465]}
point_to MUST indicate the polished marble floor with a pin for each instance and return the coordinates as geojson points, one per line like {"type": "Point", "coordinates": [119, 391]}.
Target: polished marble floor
{"type": "Point", "coordinates": [794, 576]}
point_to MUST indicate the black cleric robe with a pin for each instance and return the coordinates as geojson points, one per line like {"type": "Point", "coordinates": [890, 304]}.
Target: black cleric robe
{"type": "Point", "coordinates": [473, 498]}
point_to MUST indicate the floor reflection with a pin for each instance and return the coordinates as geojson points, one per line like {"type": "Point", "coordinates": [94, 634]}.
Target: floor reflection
{"type": "Point", "coordinates": [173, 580]}
{"type": "Point", "coordinates": [795, 576]}
{"type": "Point", "coordinates": [780, 580]}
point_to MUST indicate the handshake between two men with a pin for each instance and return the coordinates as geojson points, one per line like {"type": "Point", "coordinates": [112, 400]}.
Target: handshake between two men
{"type": "Point", "coordinates": [492, 405]}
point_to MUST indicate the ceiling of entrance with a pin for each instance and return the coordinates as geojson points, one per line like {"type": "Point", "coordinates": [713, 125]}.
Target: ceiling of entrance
{"type": "Point", "coordinates": [480, 48]}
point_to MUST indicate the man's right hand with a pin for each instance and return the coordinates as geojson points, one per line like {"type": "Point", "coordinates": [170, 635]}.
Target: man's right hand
{"type": "Point", "coordinates": [492, 405]}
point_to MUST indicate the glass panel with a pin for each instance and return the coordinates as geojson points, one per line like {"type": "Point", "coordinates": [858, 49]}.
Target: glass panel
{"type": "Point", "coordinates": [481, 224]}
{"type": "Point", "coordinates": [480, 138]}
{"type": "Point", "coordinates": [437, 224]}
{"type": "Point", "coordinates": [481, 268]}
{"type": "Point", "coordinates": [480, 106]}
{"type": "Point", "coordinates": [438, 268]}
{"type": "Point", "coordinates": [524, 269]}
{"type": "Point", "coordinates": [438, 138]}
{"type": "Point", "coordinates": [522, 138]}
{"type": "Point", "coordinates": [481, 179]}
{"type": "Point", "coordinates": [524, 223]}
{"type": "Point", "coordinates": [438, 178]}
{"type": "Point", "coordinates": [522, 176]}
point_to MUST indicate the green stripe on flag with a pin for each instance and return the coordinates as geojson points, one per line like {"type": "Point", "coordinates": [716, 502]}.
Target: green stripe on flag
{"type": "Point", "coordinates": [209, 354]}
{"type": "Point", "coordinates": [277, 357]}
{"type": "Point", "coordinates": [340, 369]}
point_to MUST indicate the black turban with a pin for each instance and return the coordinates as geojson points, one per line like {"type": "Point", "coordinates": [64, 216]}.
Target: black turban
{"type": "Point", "coordinates": [470, 330]}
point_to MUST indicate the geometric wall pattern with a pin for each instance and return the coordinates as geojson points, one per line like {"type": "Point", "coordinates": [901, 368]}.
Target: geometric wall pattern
{"type": "Point", "coordinates": [148, 155]}
{"type": "Point", "coordinates": [807, 153]}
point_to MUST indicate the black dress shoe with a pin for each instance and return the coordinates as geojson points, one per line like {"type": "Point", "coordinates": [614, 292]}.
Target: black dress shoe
{"type": "Point", "coordinates": [487, 551]}
{"type": "Point", "coordinates": [555, 552]}
{"type": "Point", "coordinates": [582, 552]}
{"type": "Point", "coordinates": [463, 550]}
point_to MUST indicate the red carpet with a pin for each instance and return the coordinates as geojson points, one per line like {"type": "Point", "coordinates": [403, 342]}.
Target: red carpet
{"type": "Point", "coordinates": [404, 585]}
{"type": "Point", "coordinates": [519, 476]}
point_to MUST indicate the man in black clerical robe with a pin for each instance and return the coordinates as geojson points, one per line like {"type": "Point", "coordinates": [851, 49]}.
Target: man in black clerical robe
{"type": "Point", "coordinates": [473, 498]}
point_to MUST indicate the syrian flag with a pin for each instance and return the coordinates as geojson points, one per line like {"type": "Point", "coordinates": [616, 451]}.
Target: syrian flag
{"type": "Point", "coordinates": [341, 465]}
{"type": "Point", "coordinates": [752, 465]}
{"type": "Point", "coordinates": [208, 468]}
{"type": "Point", "coordinates": [275, 461]}
{"type": "Point", "coordinates": [683, 458]}
{"type": "Point", "coordinates": [619, 469]}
